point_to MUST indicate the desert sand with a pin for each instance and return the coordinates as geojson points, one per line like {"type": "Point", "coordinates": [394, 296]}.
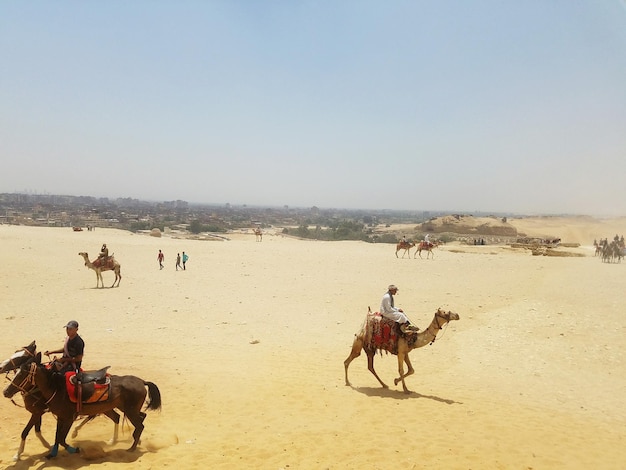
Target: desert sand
{"type": "Point", "coordinates": [247, 347]}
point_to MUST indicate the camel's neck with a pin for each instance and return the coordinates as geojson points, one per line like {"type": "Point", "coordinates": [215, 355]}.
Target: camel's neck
{"type": "Point", "coordinates": [430, 333]}
{"type": "Point", "coordinates": [88, 263]}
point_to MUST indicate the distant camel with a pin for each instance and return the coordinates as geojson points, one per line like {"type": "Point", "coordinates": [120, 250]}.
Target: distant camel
{"type": "Point", "coordinates": [259, 234]}
{"type": "Point", "coordinates": [426, 246]}
{"type": "Point", "coordinates": [98, 266]}
{"type": "Point", "coordinates": [402, 347]}
{"type": "Point", "coordinates": [406, 246]}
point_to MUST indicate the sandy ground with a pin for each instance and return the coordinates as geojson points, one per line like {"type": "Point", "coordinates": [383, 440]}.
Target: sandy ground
{"type": "Point", "coordinates": [247, 347]}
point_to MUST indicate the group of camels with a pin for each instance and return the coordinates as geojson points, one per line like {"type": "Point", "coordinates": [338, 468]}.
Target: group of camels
{"type": "Point", "coordinates": [612, 251]}
{"type": "Point", "coordinates": [421, 246]}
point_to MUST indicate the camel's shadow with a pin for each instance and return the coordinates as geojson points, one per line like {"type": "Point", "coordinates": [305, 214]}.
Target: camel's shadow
{"type": "Point", "coordinates": [400, 395]}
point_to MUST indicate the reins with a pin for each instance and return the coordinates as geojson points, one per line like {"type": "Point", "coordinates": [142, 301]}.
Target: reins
{"type": "Point", "coordinates": [439, 327]}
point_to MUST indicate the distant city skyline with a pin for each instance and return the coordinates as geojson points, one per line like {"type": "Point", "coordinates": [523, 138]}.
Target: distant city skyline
{"type": "Point", "coordinates": [501, 107]}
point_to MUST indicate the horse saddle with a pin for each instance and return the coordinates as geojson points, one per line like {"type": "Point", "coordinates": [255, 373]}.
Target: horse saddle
{"type": "Point", "coordinates": [84, 377]}
{"type": "Point", "coordinates": [94, 389]}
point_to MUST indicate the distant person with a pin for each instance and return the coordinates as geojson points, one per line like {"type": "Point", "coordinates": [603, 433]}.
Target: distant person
{"type": "Point", "coordinates": [185, 258]}
{"type": "Point", "coordinates": [104, 254]}
{"type": "Point", "coordinates": [72, 351]}
{"type": "Point", "coordinates": [160, 258]}
{"type": "Point", "coordinates": [388, 310]}
{"type": "Point", "coordinates": [178, 262]}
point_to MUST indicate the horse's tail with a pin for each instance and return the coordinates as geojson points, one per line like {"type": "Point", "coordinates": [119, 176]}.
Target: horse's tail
{"type": "Point", "coordinates": [154, 397]}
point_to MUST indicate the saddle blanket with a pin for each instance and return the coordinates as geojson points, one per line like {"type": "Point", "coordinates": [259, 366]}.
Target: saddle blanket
{"type": "Point", "coordinates": [91, 392]}
{"type": "Point", "coordinates": [381, 333]}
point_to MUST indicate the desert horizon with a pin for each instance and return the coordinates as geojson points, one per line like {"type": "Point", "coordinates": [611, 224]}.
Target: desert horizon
{"type": "Point", "coordinates": [247, 348]}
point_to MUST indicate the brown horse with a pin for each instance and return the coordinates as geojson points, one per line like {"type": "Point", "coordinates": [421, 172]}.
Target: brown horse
{"type": "Point", "coordinates": [127, 394]}
{"type": "Point", "coordinates": [406, 246]}
{"type": "Point", "coordinates": [35, 403]}
{"type": "Point", "coordinates": [425, 246]}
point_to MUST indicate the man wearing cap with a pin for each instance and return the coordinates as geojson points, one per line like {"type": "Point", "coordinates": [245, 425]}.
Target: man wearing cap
{"type": "Point", "coordinates": [388, 310]}
{"type": "Point", "coordinates": [72, 350]}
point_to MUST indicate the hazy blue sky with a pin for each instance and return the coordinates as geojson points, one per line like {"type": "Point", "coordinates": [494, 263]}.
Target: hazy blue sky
{"type": "Point", "coordinates": [516, 106]}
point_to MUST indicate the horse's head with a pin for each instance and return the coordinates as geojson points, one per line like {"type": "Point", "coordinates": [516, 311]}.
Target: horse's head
{"type": "Point", "coordinates": [19, 358]}
{"type": "Point", "coordinates": [24, 380]}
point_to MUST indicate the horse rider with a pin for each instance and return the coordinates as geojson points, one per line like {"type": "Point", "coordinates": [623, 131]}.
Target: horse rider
{"type": "Point", "coordinates": [104, 254]}
{"type": "Point", "coordinates": [388, 310]}
{"type": "Point", "coordinates": [72, 350]}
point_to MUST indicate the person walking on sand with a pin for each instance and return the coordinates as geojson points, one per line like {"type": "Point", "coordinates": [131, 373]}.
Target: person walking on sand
{"type": "Point", "coordinates": [388, 310]}
{"type": "Point", "coordinates": [72, 350]}
{"type": "Point", "coordinates": [161, 258]}
{"type": "Point", "coordinates": [185, 258]}
{"type": "Point", "coordinates": [178, 261]}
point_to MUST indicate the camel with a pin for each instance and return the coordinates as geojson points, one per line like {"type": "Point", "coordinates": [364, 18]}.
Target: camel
{"type": "Point", "coordinates": [110, 265]}
{"type": "Point", "coordinates": [406, 246]}
{"type": "Point", "coordinates": [405, 344]}
{"type": "Point", "coordinates": [259, 234]}
{"type": "Point", "coordinates": [427, 246]}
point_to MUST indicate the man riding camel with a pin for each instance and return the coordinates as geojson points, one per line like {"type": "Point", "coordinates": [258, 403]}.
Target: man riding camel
{"type": "Point", "coordinates": [388, 310]}
{"type": "Point", "coordinates": [104, 255]}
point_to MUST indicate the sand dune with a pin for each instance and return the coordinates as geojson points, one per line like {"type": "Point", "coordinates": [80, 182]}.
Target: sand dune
{"type": "Point", "coordinates": [247, 347]}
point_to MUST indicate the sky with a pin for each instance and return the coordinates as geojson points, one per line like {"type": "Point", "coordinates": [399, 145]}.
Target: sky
{"type": "Point", "coordinates": [482, 106]}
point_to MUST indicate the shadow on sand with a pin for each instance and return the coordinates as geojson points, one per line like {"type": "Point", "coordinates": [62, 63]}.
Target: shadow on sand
{"type": "Point", "coordinates": [76, 461]}
{"type": "Point", "coordinates": [400, 395]}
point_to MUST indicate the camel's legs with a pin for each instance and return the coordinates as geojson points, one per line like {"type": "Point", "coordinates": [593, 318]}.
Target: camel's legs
{"type": "Point", "coordinates": [370, 367]}
{"type": "Point", "coordinates": [357, 345]}
{"type": "Point", "coordinates": [403, 358]}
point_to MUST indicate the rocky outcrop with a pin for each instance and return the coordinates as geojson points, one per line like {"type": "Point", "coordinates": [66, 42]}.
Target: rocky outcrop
{"type": "Point", "coordinates": [469, 225]}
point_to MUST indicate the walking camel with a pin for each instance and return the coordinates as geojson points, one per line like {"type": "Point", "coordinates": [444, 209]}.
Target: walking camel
{"type": "Point", "coordinates": [259, 234]}
{"type": "Point", "coordinates": [406, 246]}
{"type": "Point", "coordinates": [405, 343]}
{"type": "Point", "coordinates": [98, 266]}
{"type": "Point", "coordinates": [425, 246]}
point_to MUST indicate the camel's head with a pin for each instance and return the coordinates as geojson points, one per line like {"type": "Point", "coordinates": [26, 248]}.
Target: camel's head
{"type": "Point", "coordinates": [447, 316]}
{"type": "Point", "coordinates": [85, 256]}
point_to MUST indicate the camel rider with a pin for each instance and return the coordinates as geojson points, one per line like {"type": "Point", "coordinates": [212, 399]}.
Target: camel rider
{"type": "Point", "coordinates": [104, 255]}
{"type": "Point", "coordinates": [427, 239]}
{"type": "Point", "coordinates": [388, 310]}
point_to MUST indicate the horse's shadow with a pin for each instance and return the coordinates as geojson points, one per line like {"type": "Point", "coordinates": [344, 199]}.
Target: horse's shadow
{"type": "Point", "coordinates": [400, 395]}
{"type": "Point", "coordinates": [75, 461]}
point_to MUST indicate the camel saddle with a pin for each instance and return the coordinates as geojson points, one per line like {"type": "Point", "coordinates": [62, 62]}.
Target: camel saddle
{"type": "Point", "coordinates": [104, 263]}
{"type": "Point", "coordinates": [88, 386]}
{"type": "Point", "coordinates": [381, 334]}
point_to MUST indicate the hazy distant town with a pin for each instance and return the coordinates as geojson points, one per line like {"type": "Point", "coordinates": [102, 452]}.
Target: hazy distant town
{"type": "Point", "coordinates": [86, 212]}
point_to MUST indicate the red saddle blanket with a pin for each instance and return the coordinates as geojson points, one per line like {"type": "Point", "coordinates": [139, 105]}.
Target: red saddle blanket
{"type": "Point", "coordinates": [101, 263]}
{"type": "Point", "coordinates": [381, 333]}
{"type": "Point", "coordinates": [91, 392]}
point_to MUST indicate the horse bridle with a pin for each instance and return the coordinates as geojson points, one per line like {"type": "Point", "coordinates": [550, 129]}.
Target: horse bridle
{"type": "Point", "coordinates": [28, 380]}
{"type": "Point", "coordinates": [13, 359]}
